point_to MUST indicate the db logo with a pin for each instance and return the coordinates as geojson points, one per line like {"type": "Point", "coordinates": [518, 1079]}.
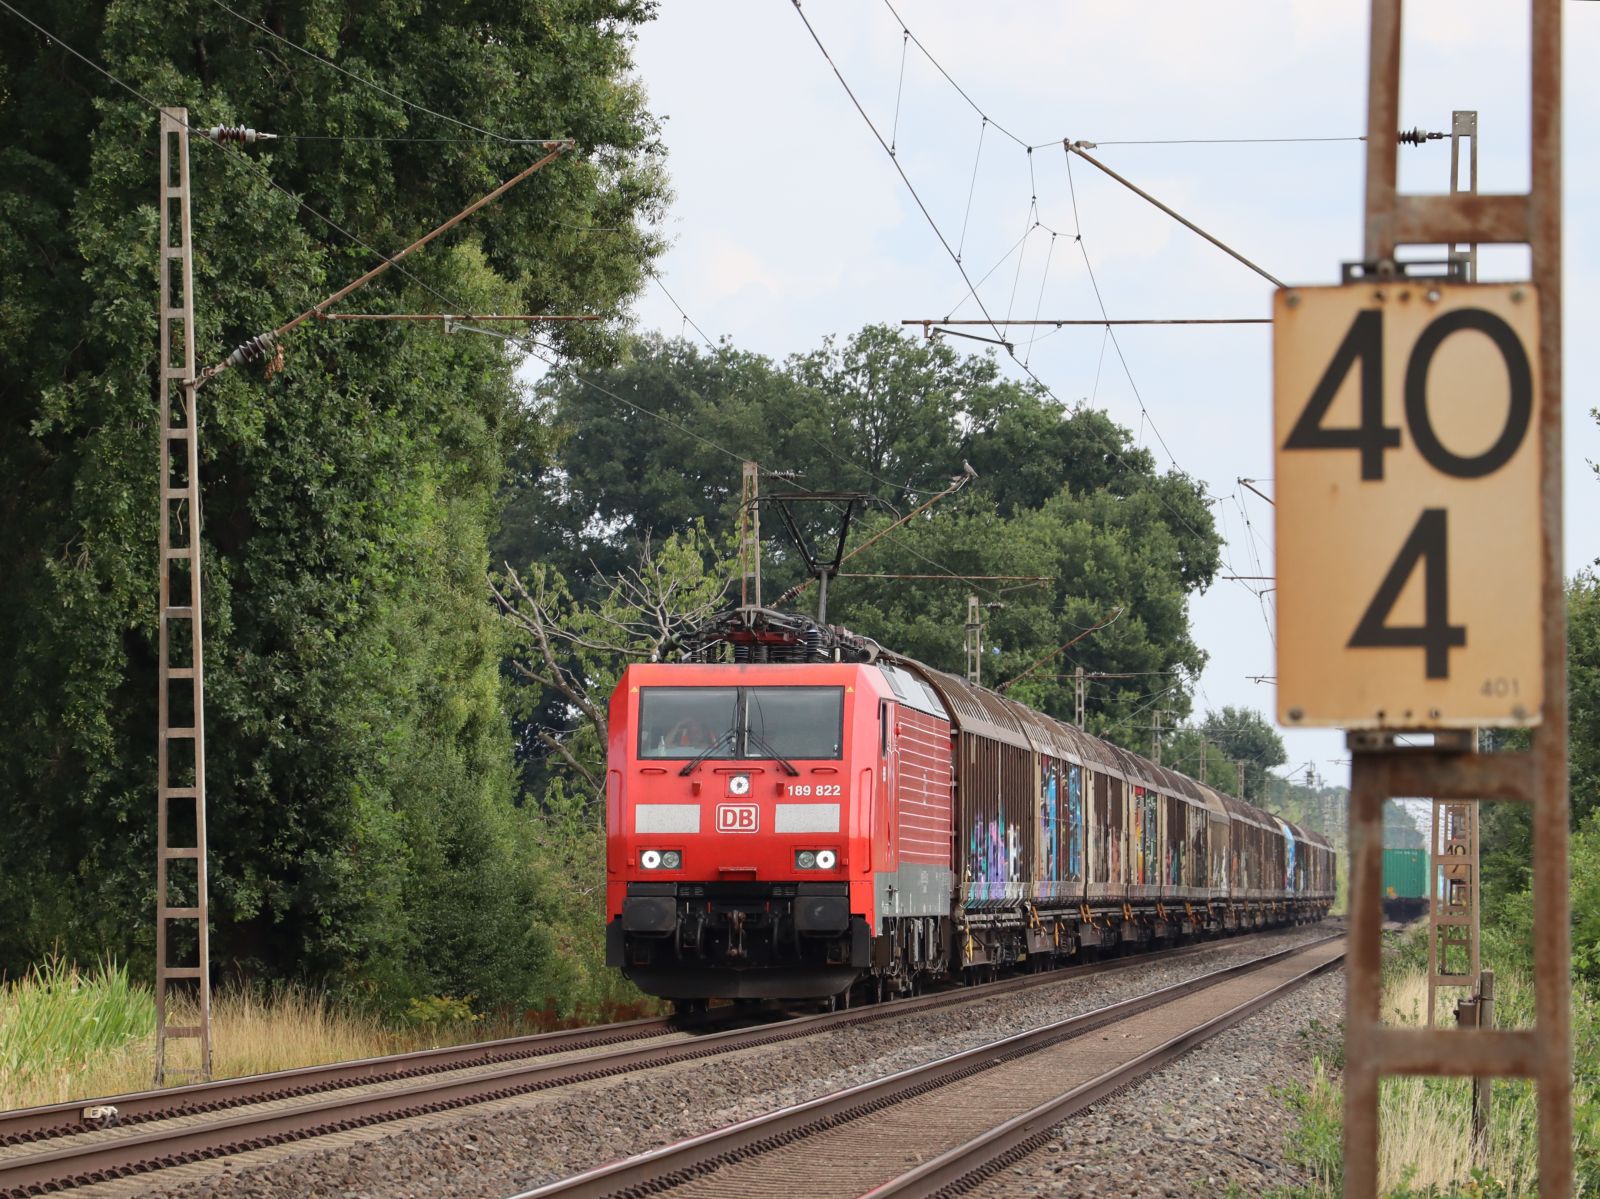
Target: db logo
{"type": "Point", "coordinates": [738, 817]}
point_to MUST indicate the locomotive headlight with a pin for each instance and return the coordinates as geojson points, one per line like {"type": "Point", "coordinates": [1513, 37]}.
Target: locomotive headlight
{"type": "Point", "coordinates": [671, 860]}
{"type": "Point", "coordinates": [650, 859]}
{"type": "Point", "coordinates": [805, 860]}
{"type": "Point", "coordinates": [826, 859]}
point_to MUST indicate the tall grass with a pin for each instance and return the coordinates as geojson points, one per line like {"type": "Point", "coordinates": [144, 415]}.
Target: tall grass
{"type": "Point", "coordinates": [1426, 1123]}
{"type": "Point", "coordinates": [60, 1023]}
{"type": "Point", "coordinates": [1425, 1147]}
{"type": "Point", "coordinates": [68, 1034]}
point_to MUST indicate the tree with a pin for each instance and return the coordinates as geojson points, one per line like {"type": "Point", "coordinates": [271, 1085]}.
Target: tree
{"type": "Point", "coordinates": [645, 448]}
{"type": "Point", "coordinates": [1183, 751]}
{"type": "Point", "coordinates": [1245, 735]}
{"type": "Point", "coordinates": [1506, 831]}
{"type": "Point", "coordinates": [1583, 694]}
{"type": "Point", "coordinates": [634, 452]}
{"type": "Point", "coordinates": [359, 775]}
{"type": "Point", "coordinates": [573, 652]}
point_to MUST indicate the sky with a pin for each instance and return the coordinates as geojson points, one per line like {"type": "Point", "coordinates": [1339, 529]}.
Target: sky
{"type": "Point", "coordinates": [791, 222]}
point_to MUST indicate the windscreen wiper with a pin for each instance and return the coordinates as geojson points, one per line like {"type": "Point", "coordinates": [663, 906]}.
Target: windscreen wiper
{"type": "Point", "coordinates": [689, 766]}
{"type": "Point", "coordinates": [765, 747]}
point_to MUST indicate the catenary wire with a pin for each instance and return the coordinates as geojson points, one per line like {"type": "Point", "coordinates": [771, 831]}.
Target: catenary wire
{"type": "Point", "coordinates": [355, 137]}
{"type": "Point", "coordinates": [1115, 344]}
{"type": "Point", "coordinates": [943, 241]}
{"type": "Point", "coordinates": [1039, 303]}
{"type": "Point", "coordinates": [533, 349]}
{"type": "Point", "coordinates": [1111, 449]}
{"type": "Point", "coordinates": [972, 186]}
{"type": "Point", "coordinates": [900, 88]}
{"type": "Point", "coordinates": [1220, 141]}
{"type": "Point", "coordinates": [1029, 225]}
{"type": "Point", "coordinates": [971, 103]}
{"type": "Point", "coordinates": [1176, 141]}
{"type": "Point", "coordinates": [687, 318]}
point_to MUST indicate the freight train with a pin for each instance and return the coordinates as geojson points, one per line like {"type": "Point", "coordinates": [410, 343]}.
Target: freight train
{"type": "Point", "coordinates": [794, 812]}
{"type": "Point", "coordinates": [1405, 884]}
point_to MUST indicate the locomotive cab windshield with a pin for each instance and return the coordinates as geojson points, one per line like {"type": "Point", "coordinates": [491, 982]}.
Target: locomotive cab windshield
{"type": "Point", "coordinates": [742, 722]}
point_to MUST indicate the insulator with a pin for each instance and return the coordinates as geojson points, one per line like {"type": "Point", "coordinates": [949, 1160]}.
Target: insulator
{"type": "Point", "coordinates": [814, 643]}
{"type": "Point", "coordinates": [1415, 137]}
{"type": "Point", "coordinates": [235, 133]}
{"type": "Point", "coordinates": [253, 350]}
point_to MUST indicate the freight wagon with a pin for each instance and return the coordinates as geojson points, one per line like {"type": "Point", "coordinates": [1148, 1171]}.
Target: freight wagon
{"type": "Point", "coordinates": [793, 812]}
{"type": "Point", "coordinates": [1405, 884]}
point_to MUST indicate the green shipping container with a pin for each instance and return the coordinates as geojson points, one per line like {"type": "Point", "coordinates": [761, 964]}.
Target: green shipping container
{"type": "Point", "coordinates": [1405, 874]}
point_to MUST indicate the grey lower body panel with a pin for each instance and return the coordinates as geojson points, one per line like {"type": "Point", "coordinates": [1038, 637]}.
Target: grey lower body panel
{"type": "Point", "coordinates": [914, 890]}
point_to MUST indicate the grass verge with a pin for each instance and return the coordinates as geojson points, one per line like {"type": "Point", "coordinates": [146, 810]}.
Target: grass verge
{"type": "Point", "coordinates": [68, 1034]}
{"type": "Point", "coordinates": [1425, 1148]}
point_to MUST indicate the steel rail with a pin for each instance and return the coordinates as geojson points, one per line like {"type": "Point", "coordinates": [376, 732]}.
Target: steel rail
{"type": "Point", "coordinates": [23, 1125]}
{"type": "Point", "coordinates": [671, 1165]}
{"type": "Point", "coordinates": [165, 1146]}
{"type": "Point", "coordinates": [968, 1165]}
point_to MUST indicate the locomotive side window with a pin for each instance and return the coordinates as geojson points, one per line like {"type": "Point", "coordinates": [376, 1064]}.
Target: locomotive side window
{"type": "Point", "coordinates": [797, 722]}
{"type": "Point", "coordinates": [680, 722]}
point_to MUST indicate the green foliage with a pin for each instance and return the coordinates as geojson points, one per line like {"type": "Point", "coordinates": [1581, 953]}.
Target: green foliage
{"type": "Point", "coordinates": [1506, 948]}
{"type": "Point", "coordinates": [1246, 735]}
{"type": "Point", "coordinates": [1478, 1185]}
{"type": "Point", "coordinates": [1065, 496]}
{"type": "Point", "coordinates": [1189, 750]}
{"type": "Point", "coordinates": [56, 1016]}
{"type": "Point", "coordinates": [1326, 1043]}
{"type": "Point", "coordinates": [569, 852]}
{"type": "Point", "coordinates": [441, 1011]}
{"type": "Point", "coordinates": [358, 768]}
{"type": "Point", "coordinates": [1316, 1143]}
{"type": "Point", "coordinates": [1583, 694]}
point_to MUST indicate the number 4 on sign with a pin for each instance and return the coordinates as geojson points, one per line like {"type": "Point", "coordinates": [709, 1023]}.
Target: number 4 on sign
{"type": "Point", "coordinates": [1428, 547]}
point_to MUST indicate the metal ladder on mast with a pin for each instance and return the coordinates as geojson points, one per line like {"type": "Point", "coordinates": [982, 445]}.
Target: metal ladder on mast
{"type": "Point", "coordinates": [180, 626]}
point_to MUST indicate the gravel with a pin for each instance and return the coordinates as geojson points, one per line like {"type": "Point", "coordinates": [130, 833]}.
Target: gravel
{"type": "Point", "coordinates": [1210, 1121]}
{"type": "Point", "coordinates": [497, 1149]}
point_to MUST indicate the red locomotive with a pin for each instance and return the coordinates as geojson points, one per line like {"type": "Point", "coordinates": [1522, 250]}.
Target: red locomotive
{"type": "Point", "coordinates": [793, 812]}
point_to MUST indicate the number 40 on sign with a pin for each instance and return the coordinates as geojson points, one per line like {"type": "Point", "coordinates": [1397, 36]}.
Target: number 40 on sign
{"type": "Point", "coordinates": [1407, 477]}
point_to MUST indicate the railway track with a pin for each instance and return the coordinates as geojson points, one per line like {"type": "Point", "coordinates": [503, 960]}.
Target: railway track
{"type": "Point", "coordinates": [47, 1149]}
{"type": "Point", "coordinates": [912, 1133]}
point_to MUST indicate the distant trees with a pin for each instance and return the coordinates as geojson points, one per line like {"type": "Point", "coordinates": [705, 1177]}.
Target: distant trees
{"type": "Point", "coordinates": [1063, 496]}
{"type": "Point", "coordinates": [1246, 735]}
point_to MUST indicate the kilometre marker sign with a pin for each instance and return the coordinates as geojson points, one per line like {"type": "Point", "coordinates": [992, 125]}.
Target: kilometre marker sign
{"type": "Point", "coordinates": [1407, 474]}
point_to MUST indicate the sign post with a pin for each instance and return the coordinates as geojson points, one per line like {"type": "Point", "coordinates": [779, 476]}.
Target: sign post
{"type": "Point", "coordinates": [1420, 580]}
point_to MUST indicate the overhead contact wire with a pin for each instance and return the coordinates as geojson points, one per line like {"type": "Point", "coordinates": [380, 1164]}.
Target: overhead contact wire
{"type": "Point", "coordinates": [1110, 448]}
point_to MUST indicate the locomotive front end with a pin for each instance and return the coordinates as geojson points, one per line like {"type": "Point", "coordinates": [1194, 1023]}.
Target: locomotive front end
{"type": "Point", "coordinates": [737, 860]}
